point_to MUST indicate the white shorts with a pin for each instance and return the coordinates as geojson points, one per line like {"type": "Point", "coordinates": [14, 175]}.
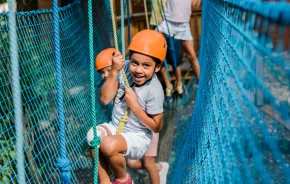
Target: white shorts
{"type": "Point", "coordinates": [138, 143]}
{"type": "Point", "coordinates": [180, 31]}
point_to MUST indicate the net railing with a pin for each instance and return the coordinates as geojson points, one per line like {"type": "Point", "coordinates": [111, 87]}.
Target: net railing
{"type": "Point", "coordinates": [38, 91]}
{"type": "Point", "coordinates": [237, 133]}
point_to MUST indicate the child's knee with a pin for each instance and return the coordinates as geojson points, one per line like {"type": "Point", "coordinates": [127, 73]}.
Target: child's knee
{"type": "Point", "coordinates": [101, 132]}
{"type": "Point", "coordinates": [108, 146]}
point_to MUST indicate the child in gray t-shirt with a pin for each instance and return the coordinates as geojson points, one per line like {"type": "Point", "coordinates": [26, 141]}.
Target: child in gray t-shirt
{"type": "Point", "coordinates": [144, 99]}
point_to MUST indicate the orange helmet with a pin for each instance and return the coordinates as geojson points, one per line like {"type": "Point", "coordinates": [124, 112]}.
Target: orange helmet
{"type": "Point", "coordinates": [149, 42]}
{"type": "Point", "coordinates": [104, 58]}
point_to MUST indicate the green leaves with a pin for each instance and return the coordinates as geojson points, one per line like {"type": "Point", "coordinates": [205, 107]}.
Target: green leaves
{"type": "Point", "coordinates": [7, 159]}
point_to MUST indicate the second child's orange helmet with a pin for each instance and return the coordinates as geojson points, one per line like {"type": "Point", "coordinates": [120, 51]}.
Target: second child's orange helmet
{"type": "Point", "coordinates": [151, 43]}
{"type": "Point", "coordinates": [104, 58]}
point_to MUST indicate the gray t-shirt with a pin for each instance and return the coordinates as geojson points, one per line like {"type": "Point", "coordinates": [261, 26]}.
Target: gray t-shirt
{"type": "Point", "coordinates": [150, 97]}
{"type": "Point", "coordinates": [178, 11]}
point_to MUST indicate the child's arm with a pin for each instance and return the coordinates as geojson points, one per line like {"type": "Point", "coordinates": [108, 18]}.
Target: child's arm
{"type": "Point", "coordinates": [153, 122]}
{"type": "Point", "coordinates": [110, 87]}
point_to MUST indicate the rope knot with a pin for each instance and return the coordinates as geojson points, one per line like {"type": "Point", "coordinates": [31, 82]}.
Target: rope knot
{"type": "Point", "coordinates": [124, 119]}
{"type": "Point", "coordinates": [63, 164]}
{"type": "Point", "coordinates": [95, 142]}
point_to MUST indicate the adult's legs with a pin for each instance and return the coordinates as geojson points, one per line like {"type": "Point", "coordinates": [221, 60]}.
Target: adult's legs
{"type": "Point", "coordinates": [189, 48]}
{"type": "Point", "coordinates": [178, 75]}
{"type": "Point", "coordinates": [165, 78]}
{"type": "Point", "coordinates": [168, 85]}
{"type": "Point", "coordinates": [167, 82]}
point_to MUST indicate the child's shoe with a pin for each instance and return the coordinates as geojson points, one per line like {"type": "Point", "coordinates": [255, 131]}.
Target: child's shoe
{"type": "Point", "coordinates": [181, 90]}
{"type": "Point", "coordinates": [163, 172]}
{"type": "Point", "coordinates": [129, 181]}
{"type": "Point", "coordinates": [169, 94]}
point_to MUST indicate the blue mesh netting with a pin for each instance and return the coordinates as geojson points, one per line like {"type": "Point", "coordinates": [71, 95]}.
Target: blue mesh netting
{"type": "Point", "coordinates": [237, 133]}
{"type": "Point", "coordinates": [37, 71]}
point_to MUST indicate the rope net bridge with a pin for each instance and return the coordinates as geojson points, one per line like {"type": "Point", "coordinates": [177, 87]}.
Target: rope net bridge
{"type": "Point", "coordinates": [238, 132]}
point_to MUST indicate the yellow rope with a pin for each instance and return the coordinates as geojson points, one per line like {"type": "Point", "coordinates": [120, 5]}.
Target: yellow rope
{"type": "Point", "coordinates": [124, 118]}
{"type": "Point", "coordinates": [114, 25]}
{"type": "Point", "coordinates": [146, 14]}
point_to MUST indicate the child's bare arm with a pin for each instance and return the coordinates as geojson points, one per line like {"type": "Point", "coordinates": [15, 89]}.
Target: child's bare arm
{"type": "Point", "coordinates": [110, 87]}
{"type": "Point", "coordinates": [153, 122]}
{"type": "Point", "coordinates": [158, 119]}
